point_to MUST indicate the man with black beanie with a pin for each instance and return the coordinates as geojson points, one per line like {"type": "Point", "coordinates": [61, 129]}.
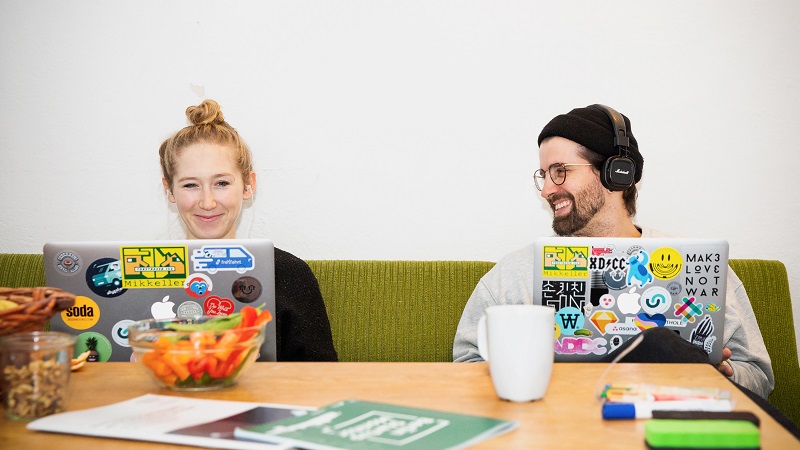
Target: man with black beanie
{"type": "Point", "coordinates": [590, 197]}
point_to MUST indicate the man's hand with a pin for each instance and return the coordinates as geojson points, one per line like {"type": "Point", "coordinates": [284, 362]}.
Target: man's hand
{"type": "Point", "coordinates": [724, 367]}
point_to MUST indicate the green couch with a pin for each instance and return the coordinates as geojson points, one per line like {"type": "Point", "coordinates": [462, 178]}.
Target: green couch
{"type": "Point", "coordinates": [409, 310]}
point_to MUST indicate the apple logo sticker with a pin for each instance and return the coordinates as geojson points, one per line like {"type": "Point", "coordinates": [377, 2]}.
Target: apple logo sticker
{"type": "Point", "coordinates": [163, 309]}
{"type": "Point", "coordinates": [628, 302]}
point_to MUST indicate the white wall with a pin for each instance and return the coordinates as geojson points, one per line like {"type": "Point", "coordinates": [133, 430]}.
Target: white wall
{"type": "Point", "coordinates": [399, 130]}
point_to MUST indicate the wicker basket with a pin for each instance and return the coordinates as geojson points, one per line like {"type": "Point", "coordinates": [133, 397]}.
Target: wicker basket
{"type": "Point", "coordinates": [35, 307]}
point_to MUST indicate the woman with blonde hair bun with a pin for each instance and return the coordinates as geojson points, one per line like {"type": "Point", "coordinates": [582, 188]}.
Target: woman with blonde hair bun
{"type": "Point", "coordinates": [208, 174]}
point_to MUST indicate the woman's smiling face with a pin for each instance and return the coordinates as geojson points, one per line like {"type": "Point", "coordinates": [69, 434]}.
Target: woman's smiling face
{"type": "Point", "coordinates": [208, 190]}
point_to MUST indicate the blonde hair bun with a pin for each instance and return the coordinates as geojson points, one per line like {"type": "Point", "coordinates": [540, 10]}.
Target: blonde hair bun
{"type": "Point", "coordinates": [208, 112]}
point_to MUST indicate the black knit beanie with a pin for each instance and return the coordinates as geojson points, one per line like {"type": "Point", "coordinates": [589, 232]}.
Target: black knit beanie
{"type": "Point", "coordinates": [592, 128]}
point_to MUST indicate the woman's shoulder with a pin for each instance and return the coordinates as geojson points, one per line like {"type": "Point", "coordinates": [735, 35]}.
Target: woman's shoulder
{"type": "Point", "coordinates": [286, 261]}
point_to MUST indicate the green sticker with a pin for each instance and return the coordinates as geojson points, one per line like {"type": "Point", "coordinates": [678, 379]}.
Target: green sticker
{"type": "Point", "coordinates": [96, 343]}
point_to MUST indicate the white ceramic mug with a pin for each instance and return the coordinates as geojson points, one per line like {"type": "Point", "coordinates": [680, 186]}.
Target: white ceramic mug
{"type": "Point", "coordinates": [517, 341]}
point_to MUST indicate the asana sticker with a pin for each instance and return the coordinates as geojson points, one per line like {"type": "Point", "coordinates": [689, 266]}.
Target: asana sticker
{"type": "Point", "coordinates": [82, 315]}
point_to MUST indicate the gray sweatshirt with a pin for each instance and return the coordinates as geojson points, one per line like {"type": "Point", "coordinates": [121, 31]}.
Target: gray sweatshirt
{"type": "Point", "coordinates": [510, 281]}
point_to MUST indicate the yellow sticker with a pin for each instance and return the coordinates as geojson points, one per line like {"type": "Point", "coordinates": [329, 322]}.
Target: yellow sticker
{"type": "Point", "coordinates": [82, 315]}
{"type": "Point", "coordinates": [153, 267]}
{"type": "Point", "coordinates": [565, 261]}
{"type": "Point", "coordinates": [666, 263]}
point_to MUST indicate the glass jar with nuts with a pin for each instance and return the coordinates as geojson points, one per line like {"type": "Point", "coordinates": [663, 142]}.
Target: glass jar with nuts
{"type": "Point", "coordinates": [35, 373]}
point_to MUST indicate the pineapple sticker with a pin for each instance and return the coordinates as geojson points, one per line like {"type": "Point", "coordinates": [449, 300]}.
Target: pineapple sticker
{"type": "Point", "coordinates": [91, 346]}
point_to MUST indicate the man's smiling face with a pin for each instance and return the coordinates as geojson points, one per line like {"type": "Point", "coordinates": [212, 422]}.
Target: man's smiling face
{"type": "Point", "coordinates": [578, 200]}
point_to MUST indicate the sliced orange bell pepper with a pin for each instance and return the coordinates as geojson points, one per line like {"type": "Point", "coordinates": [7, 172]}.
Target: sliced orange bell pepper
{"type": "Point", "coordinates": [225, 345]}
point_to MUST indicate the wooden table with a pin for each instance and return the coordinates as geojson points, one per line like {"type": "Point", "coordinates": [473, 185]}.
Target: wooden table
{"type": "Point", "coordinates": [568, 416]}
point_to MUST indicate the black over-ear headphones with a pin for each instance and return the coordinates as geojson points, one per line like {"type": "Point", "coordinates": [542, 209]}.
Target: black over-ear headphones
{"type": "Point", "coordinates": [619, 172]}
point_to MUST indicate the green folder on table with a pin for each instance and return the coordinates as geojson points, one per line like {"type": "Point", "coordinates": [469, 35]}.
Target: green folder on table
{"type": "Point", "coordinates": [355, 424]}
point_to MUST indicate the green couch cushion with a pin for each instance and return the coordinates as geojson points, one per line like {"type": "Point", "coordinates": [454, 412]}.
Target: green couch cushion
{"type": "Point", "coordinates": [21, 270]}
{"type": "Point", "coordinates": [767, 286]}
{"type": "Point", "coordinates": [396, 310]}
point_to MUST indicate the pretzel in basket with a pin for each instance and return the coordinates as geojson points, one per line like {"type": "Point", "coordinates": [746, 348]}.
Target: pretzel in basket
{"type": "Point", "coordinates": [34, 307]}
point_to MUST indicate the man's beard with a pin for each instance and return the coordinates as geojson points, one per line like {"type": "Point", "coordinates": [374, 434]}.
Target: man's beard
{"type": "Point", "coordinates": [584, 208]}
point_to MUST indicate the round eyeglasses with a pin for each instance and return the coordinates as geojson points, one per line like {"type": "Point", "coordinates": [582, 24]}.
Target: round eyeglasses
{"type": "Point", "coordinates": [558, 173]}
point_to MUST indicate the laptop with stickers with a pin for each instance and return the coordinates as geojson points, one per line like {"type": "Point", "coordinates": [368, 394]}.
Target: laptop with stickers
{"type": "Point", "coordinates": [118, 283]}
{"type": "Point", "coordinates": [608, 290]}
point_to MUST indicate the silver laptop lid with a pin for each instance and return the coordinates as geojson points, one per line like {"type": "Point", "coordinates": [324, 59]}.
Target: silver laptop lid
{"type": "Point", "coordinates": [607, 290]}
{"type": "Point", "coordinates": [120, 282]}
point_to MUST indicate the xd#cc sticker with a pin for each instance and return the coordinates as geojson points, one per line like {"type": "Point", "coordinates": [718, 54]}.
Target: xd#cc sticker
{"type": "Point", "coordinates": [119, 332]}
{"type": "Point", "coordinates": [246, 289]}
{"type": "Point", "coordinates": [104, 277]}
{"type": "Point", "coordinates": [198, 285]}
{"type": "Point", "coordinates": [68, 262]}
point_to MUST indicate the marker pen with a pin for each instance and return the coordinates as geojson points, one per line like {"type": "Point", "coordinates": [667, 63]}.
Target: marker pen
{"type": "Point", "coordinates": [644, 410]}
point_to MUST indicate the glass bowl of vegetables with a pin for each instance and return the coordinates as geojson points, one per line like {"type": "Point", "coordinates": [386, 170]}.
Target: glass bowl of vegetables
{"type": "Point", "coordinates": [200, 353]}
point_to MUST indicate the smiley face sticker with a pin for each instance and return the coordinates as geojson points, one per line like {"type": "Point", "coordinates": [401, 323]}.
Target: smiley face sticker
{"type": "Point", "coordinates": [666, 263]}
